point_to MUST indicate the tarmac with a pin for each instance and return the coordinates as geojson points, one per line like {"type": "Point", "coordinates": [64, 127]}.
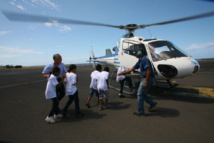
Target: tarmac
{"type": "Point", "coordinates": [184, 113]}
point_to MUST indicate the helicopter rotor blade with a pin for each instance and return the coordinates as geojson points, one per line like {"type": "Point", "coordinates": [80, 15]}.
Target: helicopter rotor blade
{"type": "Point", "coordinates": [14, 16]}
{"type": "Point", "coordinates": [179, 20]}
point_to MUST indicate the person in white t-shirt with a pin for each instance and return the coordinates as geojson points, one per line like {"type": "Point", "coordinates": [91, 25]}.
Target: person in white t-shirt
{"type": "Point", "coordinates": [103, 86]}
{"type": "Point", "coordinates": [121, 79]}
{"type": "Point", "coordinates": [47, 72]}
{"type": "Point", "coordinates": [71, 90]}
{"type": "Point", "coordinates": [50, 93]}
{"type": "Point", "coordinates": [93, 85]}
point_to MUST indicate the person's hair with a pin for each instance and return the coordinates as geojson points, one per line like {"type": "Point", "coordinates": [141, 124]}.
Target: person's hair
{"type": "Point", "coordinates": [55, 70]}
{"type": "Point", "coordinates": [71, 67]}
{"type": "Point", "coordinates": [106, 69]}
{"type": "Point", "coordinates": [98, 67]}
{"type": "Point", "coordinates": [55, 56]}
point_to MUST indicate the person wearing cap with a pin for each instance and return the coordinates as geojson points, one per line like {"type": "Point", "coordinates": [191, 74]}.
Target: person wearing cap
{"type": "Point", "coordinates": [148, 79]}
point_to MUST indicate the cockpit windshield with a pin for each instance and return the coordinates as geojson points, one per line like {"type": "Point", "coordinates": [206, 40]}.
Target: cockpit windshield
{"type": "Point", "coordinates": [162, 50]}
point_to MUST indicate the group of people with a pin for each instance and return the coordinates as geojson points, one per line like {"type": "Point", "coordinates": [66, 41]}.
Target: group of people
{"type": "Point", "coordinates": [56, 73]}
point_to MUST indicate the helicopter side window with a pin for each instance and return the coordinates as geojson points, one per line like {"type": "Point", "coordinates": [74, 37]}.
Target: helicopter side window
{"type": "Point", "coordinates": [134, 48]}
{"type": "Point", "coordinates": [162, 50]}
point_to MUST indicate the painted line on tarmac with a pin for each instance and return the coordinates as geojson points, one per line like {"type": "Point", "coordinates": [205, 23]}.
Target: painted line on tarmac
{"type": "Point", "coordinates": [201, 92]}
{"type": "Point", "coordinates": [20, 84]}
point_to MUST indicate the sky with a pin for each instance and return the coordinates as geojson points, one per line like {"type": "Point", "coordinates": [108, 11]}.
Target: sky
{"type": "Point", "coordinates": [34, 43]}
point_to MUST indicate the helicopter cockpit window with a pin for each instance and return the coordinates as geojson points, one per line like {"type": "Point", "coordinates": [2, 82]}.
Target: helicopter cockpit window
{"type": "Point", "coordinates": [162, 50]}
{"type": "Point", "coordinates": [132, 49]}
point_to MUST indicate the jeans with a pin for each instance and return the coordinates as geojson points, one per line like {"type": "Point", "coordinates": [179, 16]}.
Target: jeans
{"type": "Point", "coordinates": [142, 95]}
{"type": "Point", "coordinates": [70, 100]}
{"type": "Point", "coordinates": [92, 91]}
{"type": "Point", "coordinates": [55, 108]}
{"type": "Point", "coordinates": [60, 91]}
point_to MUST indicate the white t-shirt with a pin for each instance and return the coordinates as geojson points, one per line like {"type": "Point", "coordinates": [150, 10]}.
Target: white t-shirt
{"type": "Point", "coordinates": [71, 79]}
{"type": "Point", "coordinates": [101, 80]}
{"type": "Point", "coordinates": [50, 91]}
{"type": "Point", "coordinates": [119, 78]}
{"type": "Point", "coordinates": [94, 79]}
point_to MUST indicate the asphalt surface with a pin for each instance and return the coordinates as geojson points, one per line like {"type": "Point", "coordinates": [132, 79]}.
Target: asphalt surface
{"type": "Point", "coordinates": [183, 114]}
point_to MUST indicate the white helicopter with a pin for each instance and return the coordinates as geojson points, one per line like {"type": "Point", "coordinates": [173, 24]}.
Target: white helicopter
{"type": "Point", "coordinates": [169, 62]}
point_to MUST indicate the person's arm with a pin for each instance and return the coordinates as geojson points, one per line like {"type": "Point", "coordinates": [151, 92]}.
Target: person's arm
{"type": "Point", "coordinates": [62, 79]}
{"type": "Point", "coordinates": [125, 72]}
{"type": "Point", "coordinates": [46, 71]}
{"type": "Point", "coordinates": [75, 81]}
{"type": "Point", "coordinates": [46, 75]}
{"type": "Point", "coordinates": [148, 73]}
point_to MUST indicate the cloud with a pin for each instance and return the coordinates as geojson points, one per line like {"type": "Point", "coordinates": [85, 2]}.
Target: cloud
{"type": "Point", "coordinates": [4, 33]}
{"type": "Point", "coordinates": [200, 46]}
{"type": "Point", "coordinates": [16, 5]}
{"type": "Point", "coordinates": [45, 3]}
{"type": "Point", "coordinates": [18, 50]}
{"type": "Point", "coordinates": [65, 28]}
{"type": "Point", "coordinates": [8, 56]}
{"type": "Point", "coordinates": [53, 22]}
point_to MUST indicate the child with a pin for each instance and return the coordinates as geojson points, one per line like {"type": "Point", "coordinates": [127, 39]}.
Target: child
{"type": "Point", "coordinates": [121, 79]}
{"type": "Point", "coordinates": [50, 93]}
{"type": "Point", "coordinates": [93, 85]}
{"type": "Point", "coordinates": [71, 90]}
{"type": "Point", "coordinates": [103, 86]}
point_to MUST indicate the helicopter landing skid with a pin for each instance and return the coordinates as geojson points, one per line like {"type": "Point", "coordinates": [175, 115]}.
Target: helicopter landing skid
{"type": "Point", "coordinates": [168, 83]}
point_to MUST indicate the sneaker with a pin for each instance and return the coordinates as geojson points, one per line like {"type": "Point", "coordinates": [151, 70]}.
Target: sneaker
{"type": "Point", "coordinates": [64, 114]}
{"type": "Point", "coordinates": [79, 115]}
{"type": "Point", "coordinates": [152, 106]}
{"type": "Point", "coordinates": [88, 105]}
{"type": "Point", "coordinates": [121, 95]}
{"type": "Point", "coordinates": [100, 108]}
{"type": "Point", "coordinates": [139, 114]}
{"type": "Point", "coordinates": [58, 116]}
{"type": "Point", "coordinates": [50, 120]}
{"type": "Point", "coordinates": [108, 106]}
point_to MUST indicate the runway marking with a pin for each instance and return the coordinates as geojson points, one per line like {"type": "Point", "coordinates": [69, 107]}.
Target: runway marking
{"type": "Point", "coordinates": [202, 91]}
{"type": "Point", "coordinates": [20, 84]}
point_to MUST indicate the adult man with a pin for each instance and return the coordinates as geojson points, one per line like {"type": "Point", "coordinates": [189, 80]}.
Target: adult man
{"type": "Point", "coordinates": [148, 79]}
{"type": "Point", "coordinates": [47, 71]}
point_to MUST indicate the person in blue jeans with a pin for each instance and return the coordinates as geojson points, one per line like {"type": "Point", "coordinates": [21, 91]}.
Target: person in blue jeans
{"type": "Point", "coordinates": [148, 79]}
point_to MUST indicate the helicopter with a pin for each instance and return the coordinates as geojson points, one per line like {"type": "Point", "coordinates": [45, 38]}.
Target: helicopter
{"type": "Point", "coordinates": [169, 62]}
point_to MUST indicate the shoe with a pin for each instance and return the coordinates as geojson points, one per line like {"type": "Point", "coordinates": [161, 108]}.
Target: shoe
{"type": "Point", "coordinates": [58, 116]}
{"type": "Point", "coordinates": [122, 96]}
{"type": "Point", "coordinates": [139, 114]}
{"type": "Point", "coordinates": [50, 120]}
{"type": "Point", "coordinates": [88, 105]}
{"type": "Point", "coordinates": [64, 114]}
{"type": "Point", "coordinates": [152, 106]}
{"type": "Point", "coordinates": [79, 115]}
{"type": "Point", "coordinates": [108, 106]}
{"type": "Point", "coordinates": [100, 108]}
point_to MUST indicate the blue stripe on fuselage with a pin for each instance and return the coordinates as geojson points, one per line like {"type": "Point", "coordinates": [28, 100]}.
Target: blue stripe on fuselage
{"type": "Point", "coordinates": [108, 56]}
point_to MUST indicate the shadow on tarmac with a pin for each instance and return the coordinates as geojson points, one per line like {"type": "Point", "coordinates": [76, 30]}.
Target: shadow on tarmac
{"type": "Point", "coordinates": [164, 112]}
{"type": "Point", "coordinates": [179, 94]}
